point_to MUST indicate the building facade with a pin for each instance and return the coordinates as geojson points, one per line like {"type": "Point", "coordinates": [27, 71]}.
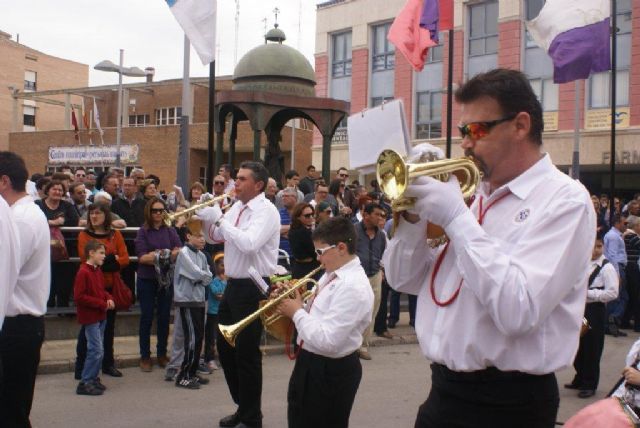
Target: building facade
{"type": "Point", "coordinates": [355, 62]}
{"type": "Point", "coordinates": [23, 69]}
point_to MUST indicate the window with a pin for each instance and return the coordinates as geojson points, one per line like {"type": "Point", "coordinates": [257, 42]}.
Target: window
{"type": "Point", "coordinates": [435, 53]}
{"type": "Point", "coordinates": [168, 116]}
{"type": "Point", "coordinates": [139, 119]}
{"type": "Point", "coordinates": [429, 115]}
{"type": "Point", "coordinates": [533, 8]}
{"type": "Point", "coordinates": [600, 83]}
{"type": "Point", "coordinates": [547, 93]}
{"type": "Point", "coordinates": [376, 101]}
{"type": "Point", "coordinates": [202, 176]}
{"type": "Point", "coordinates": [483, 29]}
{"type": "Point", "coordinates": [384, 52]}
{"type": "Point", "coordinates": [341, 56]}
{"type": "Point", "coordinates": [29, 116]}
{"type": "Point", "coordinates": [30, 80]}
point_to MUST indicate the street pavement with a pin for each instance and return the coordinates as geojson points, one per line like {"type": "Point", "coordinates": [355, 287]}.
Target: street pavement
{"type": "Point", "coordinates": [394, 384]}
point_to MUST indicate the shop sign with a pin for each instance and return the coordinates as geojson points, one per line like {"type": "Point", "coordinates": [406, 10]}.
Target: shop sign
{"type": "Point", "coordinates": [624, 157]}
{"type": "Point", "coordinates": [93, 155]}
{"type": "Point", "coordinates": [550, 120]}
{"type": "Point", "coordinates": [601, 118]}
{"type": "Point", "coordinates": [340, 136]}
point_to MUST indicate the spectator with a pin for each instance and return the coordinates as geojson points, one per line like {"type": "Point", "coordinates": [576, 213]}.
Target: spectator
{"type": "Point", "coordinates": [337, 190]}
{"type": "Point", "coordinates": [216, 291]}
{"type": "Point", "coordinates": [304, 257]}
{"type": "Point", "coordinates": [110, 185]}
{"type": "Point", "coordinates": [293, 178]}
{"type": "Point", "coordinates": [137, 174]}
{"type": "Point", "coordinates": [225, 171]}
{"type": "Point", "coordinates": [130, 207]}
{"type": "Point", "coordinates": [117, 258]}
{"type": "Point", "coordinates": [78, 198]}
{"type": "Point", "coordinates": [104, 198]}
{"type": "Point", "coordinates": [348, 197]}
{"type": "Point", "coordinates": [271, 190]}
{"type": "Point", "coordinates": [155, 179]}
{"type": "Point", "coordinates": [632, 272]}
{"type": "Point", "coordinates": [321, 194]}
{"type": "Point", "coordinates": [615, 252]}
{"type": "Point", "coordinates": [323, 212]}
{"type": "Point", "coordinates": [90, 181]}
{"type": "Point", "coordinates": [308, 183]}
{"type": "Point", "coordinates": [59, 213]}
{"type": "Point", "coordinates": [156, 246]}
{"type": "Point", "coordinates": [40, 185]}
{"type": "Point", "coordinates": [289, 197]}
{"type": "Point", "coordinates": [195, 192]}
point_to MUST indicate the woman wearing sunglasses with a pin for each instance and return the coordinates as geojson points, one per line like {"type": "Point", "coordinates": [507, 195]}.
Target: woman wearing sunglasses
{"type": "Point", "coordinates": [500, 306]}
{"type": "Point", "coordinates": [302, 250]}
{"type": "Point", "coordinates": [154, 243]}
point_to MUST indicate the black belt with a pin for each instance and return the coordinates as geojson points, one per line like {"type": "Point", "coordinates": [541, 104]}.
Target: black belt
{"type": "Point", "coordinates": [485, 375]}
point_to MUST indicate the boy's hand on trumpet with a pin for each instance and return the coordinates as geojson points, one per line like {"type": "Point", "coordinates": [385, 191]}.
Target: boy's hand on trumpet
{"type": "Point", "coordinates": [288, 307]}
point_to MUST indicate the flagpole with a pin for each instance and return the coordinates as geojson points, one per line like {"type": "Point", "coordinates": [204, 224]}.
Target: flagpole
{"type": "Point", "coordinates": [575, 164]}
{"type": "Point", "coordinates": [210, 130]}
{"type": "Point", "coordinates": [449, 93]}
{"type": "Point", "coordinates": [182, 178]}
{"type": "Point", "coordinates": [614, 49]}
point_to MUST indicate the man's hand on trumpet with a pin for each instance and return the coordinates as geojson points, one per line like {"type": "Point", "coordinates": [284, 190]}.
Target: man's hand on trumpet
{"type": "Point", "coordinates": [437, 202]}
{"type": "Point", "coordinates": [210, 214]}
{"type": "Point", "coordinates": [287, 307]}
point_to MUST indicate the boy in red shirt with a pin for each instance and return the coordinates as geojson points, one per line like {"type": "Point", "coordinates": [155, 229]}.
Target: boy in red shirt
{"type": "Point", "coordinates": [92, 303]}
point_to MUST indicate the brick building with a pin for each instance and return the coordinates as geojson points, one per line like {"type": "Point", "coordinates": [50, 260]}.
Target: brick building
{"type": "Point", "coordinates": [355, 62]}
{"type": "Point", "coordinates": [150, 128]}
{"type": "Point", "coordinates": [24, 69]}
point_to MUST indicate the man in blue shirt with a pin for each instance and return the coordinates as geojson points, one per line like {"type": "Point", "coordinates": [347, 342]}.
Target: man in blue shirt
{"type": "Point", "coordinates": [289, 200]}
{"type": "Point", "coordinates": [614, 251]}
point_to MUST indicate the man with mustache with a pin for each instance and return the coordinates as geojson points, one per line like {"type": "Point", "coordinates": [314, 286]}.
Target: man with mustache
{"type": "Point", "coordinates": [500, 305]}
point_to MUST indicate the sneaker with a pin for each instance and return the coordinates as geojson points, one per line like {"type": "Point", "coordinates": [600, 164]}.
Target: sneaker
{"type": "Point", "coordinates": [88, 389]}
{"type": "Point", "coordinates": [212, 365]}
{"type": "Point", "coordinates": [202, 380]}
{"type": "Point", "coordinates": [203, 369]}
{"type": "Point", "coordinates": [171, 374]}
{"type": "Point", "coordinates": [188, 383]}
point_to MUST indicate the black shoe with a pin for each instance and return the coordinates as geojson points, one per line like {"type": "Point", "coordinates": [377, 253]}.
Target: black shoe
{"type": "Point", "coordinates": [112, 371]}
{"type": "Point", "coordinates": [99, 384]}
{"type": "Point", "coordinates": [392, 324]}
{"type": "Point", "coordinates": [88, 389]}
{"type": "Point", "coordinates": [621, 334]}
{"type": "Point", "coordinates": [230, 421]}
{"type": "Point", "coordinates": [188, 383]}
{"type": "Point", "coordinates": [572, 385]}
{"type": "Point", "coordinates": [586, 393]}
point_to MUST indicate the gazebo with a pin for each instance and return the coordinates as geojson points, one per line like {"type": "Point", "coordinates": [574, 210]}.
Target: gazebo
{"type": "Point", "coordinates": [272, 84]}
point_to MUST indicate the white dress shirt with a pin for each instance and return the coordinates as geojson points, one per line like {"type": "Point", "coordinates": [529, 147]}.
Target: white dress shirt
{"type": "Point", "coordinates": [32, 289]}
{"type": "Point", "coordinates": [340, 312]}
{"type": "Point", "coordinates": [523, 272]}
{"type": "Point", "coordinates": [604, 287]}
{"type": "Point", "coordinates": [9, 256]}
{"type": "Point", "coordinates": [253, 242]}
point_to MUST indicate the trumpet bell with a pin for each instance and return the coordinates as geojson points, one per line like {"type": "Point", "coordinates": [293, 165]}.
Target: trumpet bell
{"type": "Point", "coordinates": [392, 174]}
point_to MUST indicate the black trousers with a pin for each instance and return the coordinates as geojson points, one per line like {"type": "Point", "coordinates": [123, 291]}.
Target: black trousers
{"type": "Point", "coordinates": [489, 398]}
{"type": "Point", "coordinates": [587, 361]}
{"type": "Point", "coordinates": [210, 335]}
{"type": "Point", "coordinates": [242, 364]}
{"type": "Point", "coordinates": [632, 276]}
{"type": "Point", "coordinates": [81, 346]}
{"type": "Point", "coordinates": [193, 329]}
{"type": "Point", "coordinates": [380, 323]}
{"type": "Point", "coordinates": [322, 390]}
{"type": "Point", "coordinates": [20, 342]}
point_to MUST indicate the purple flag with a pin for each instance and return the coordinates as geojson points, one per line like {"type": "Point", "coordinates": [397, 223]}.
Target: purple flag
{"type": "Point", "coordinates": [429, 18]}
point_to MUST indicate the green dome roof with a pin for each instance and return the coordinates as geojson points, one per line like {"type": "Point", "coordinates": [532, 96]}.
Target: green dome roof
{"type": "Point", "coordinates": [274, 67]}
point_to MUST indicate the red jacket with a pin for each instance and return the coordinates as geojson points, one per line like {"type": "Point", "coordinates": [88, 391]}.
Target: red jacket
{"type": "Point", "coordinates": [90, 295]}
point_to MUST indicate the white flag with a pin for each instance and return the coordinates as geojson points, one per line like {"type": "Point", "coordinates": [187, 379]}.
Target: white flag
{"type": "Point", "coordinates": [198, 20]}
{"type": "Point", "coordinates": [96, 117]}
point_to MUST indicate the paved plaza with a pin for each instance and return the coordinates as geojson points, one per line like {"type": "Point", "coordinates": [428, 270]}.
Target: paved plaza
{"type": "Point", "coordinates": [394, 383]}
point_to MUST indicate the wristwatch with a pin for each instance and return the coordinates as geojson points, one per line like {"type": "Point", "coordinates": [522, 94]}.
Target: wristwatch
{"type": "Point", "coordinates": [218, 222]}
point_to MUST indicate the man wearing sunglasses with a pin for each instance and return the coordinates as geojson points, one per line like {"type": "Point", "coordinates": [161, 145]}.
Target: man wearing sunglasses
{"type": "Point", "coordinates": [251, 233]}
{"type": "Point", "coordinates": [500, 306]}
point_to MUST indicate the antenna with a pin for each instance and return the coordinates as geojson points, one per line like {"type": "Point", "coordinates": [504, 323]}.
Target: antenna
{"type": "Point", "coordinates": [235, 49]}
{"type": "Point", "coordinates": [264, 21]}
{"type": "Point", "coordinates": [299, 23]}
{"type": "Point", "coordinates": [276, 11]}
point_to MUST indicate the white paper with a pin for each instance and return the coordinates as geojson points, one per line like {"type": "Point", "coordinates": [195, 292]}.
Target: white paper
{"type": "Point", "coordinates": [258, 281]}
{"type": "Point", "coordinates": [374, 130]}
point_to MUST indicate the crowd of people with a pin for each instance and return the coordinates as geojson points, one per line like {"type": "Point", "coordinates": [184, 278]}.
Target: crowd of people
{"type": "Point", "coordinates": [497, 309]}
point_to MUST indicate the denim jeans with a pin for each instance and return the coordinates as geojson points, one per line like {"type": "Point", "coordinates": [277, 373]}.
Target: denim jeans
{"type": "Point", "coordinates": [394, 307]}
{"type": "Point", "coordinates": [95, 351]}
{"type": "Point", "coordinates": [151, 296]}
{"type": "Point", "coordinates": [616, 308]}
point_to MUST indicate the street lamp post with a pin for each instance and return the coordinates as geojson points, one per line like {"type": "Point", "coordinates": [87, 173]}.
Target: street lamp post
{"type": "Point", "coordinates": [107, 65]}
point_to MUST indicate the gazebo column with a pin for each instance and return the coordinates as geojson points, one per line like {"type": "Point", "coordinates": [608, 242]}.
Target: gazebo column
{"type": "Point", "coordinates": [219, 151]}
{"type": "Point", "coordinates": [326, 158]}
{"type": "Point", "coordinates": [256, 144]}
{"type": "Point", "coordinates": [233, 135]}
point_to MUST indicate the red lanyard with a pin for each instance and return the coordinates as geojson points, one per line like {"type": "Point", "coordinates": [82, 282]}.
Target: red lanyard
{"type": "Point", "coordinates": [436, 268]}
{"type": "Point", "coordinates": [240, 215]}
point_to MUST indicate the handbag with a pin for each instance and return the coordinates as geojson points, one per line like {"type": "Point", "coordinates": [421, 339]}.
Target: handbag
{"type": "Point", "coordinates": [58, 246]}
{"type": "Point", "coordinates": [610, 412]}
{"type": "Point", "coordinates": [122, 296]}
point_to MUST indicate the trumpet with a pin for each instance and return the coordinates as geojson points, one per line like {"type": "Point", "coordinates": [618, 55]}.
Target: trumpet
{"type": "Point", "coordinates": [274, 323]}
{"type": "Point", "coordinates": [394, 175]}
{"type": "Point", "coordinates": [168, 219]}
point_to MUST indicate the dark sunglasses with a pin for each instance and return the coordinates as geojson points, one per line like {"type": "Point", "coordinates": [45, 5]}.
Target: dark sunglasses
{"type": "Point", "coordinates": [157, 210]}
{"type": "Point", "coordinates": [218, 182]}
{"type": "Point", "coordinates": [344, 175]}
{"type": "Point", "coordinates": [478, 130]}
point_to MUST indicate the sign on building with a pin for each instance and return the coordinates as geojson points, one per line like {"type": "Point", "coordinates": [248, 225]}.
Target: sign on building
{"type": "Point", "coordinates": [601, 118]}
{"type": "Point", "coordinates": [93, 155]}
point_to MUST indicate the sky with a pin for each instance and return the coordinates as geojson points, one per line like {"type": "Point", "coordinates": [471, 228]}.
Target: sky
{"type": "Point", "coordinates": [89, 31]}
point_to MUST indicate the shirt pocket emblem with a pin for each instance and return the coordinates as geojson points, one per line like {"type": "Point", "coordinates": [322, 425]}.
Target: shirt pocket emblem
{"type": "Point", "coordinates": [522, 216]}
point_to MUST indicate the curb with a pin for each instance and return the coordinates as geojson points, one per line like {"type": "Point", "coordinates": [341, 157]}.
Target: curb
{"type": "Point", "coordinates": [131, 360]}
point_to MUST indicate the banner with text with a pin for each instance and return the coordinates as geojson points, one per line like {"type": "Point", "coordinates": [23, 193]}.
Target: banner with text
{"type": "Point", "coordinates": [91, 155]}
